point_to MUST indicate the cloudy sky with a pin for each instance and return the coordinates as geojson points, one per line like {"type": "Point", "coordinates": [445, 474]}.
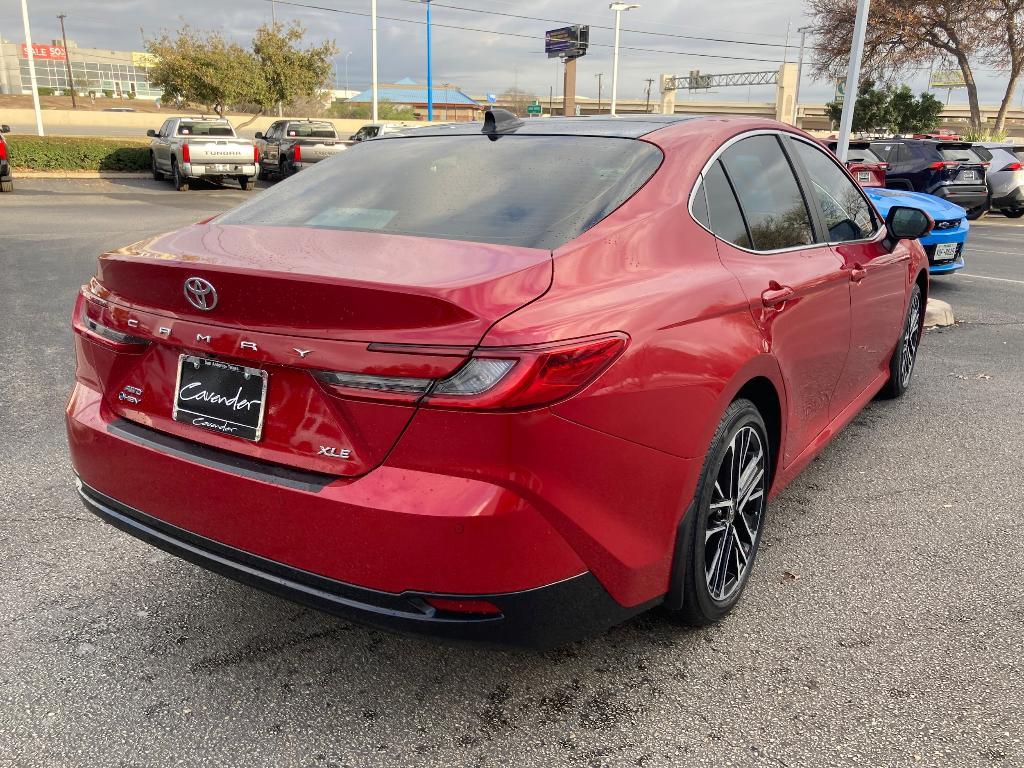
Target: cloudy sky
{"type": "Point", "coordinates": [497, 51]}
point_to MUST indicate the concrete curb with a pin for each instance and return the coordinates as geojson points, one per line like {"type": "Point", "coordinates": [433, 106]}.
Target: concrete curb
{"type": "Point", "coordinates": [938, 314]}
{"type": "Point", "coordinates": [27, 174]}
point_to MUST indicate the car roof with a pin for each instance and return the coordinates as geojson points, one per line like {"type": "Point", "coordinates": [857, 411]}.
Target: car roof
{"type": "Point", "coordinates": [622, 126]}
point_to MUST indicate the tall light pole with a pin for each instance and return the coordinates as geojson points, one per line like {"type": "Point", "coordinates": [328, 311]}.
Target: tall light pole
{"type": "Point", "coordinates": [860, 27]}
{"type": "Point", "coordinates": [618, 8]}
{"type": "Point", "coordinates": [599, 75]}
{"type": "Point", "coordinates": [67, 59]}
{"type": "Point", "coordinates": [373, 56]}
{"type": "Point", "coordinates": [800, 69]}
{"type": "Point", "coordinates": [32, 68]}
{"type": "Point", "coordinates": [346, 73]}
{"type": "Point", "coordinates": [430, 76]}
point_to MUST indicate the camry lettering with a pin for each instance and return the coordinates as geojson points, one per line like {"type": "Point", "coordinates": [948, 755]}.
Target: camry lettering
{"type": "Point", "coordinates": [249, 345]}
{"type": "Point", "coordinates": [163, 331]}
{"type": "Point", "coordinates": [201, 337]}
{"type": "Point", "coordinates": [235, 402]}
{"type": "Point", "coordinates": [133, 323]}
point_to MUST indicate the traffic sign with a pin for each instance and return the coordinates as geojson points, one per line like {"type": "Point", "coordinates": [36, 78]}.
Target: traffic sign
{"type": "Point", "coordinates": [533, 109]}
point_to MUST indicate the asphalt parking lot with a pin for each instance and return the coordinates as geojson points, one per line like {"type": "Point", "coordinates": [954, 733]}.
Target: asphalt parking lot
{"type": "Point", "coordinates": [882, 626]}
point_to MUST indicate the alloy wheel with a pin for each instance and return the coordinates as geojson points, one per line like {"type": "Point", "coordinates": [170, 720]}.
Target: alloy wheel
{"type": "Point", "coordinates": [911, 340]}
{"type": "Point", "coordinates": [734, 516]}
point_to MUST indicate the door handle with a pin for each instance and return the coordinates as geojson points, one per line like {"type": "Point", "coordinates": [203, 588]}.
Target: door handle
{"type": "Point", "coordinates": [858, 273]}
{"type": "Point", "coordinates": [776, 294]}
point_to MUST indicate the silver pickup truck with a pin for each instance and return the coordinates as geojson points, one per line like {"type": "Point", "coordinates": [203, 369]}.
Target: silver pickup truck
{"type": "Point", "coordinates": [201, 147]}
{"type": "Point", "coordinates": [290, 145]}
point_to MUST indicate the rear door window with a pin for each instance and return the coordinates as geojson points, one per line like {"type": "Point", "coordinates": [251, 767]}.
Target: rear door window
{"type": "Point", "coordinates": [724, 215]}
{"type": "Point", "coordinates": [770, 198]}
{"type": "Point", "coordinates": [530, 191]}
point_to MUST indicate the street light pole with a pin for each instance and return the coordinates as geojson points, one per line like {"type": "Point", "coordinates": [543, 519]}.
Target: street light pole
{"type": "Point", "coordinates": [599, 75]}
{"type": "Point", "coordinates": [67, 60]}
{"type": "Point", "coordinates": [373, 56]}
{"type": "Point", "coordinates": [32, 68]}
{"type": "Point", "coordinates": [430, 76]}
{"type": "Point", "coordinates": [346, 73]}
{"type": "Point", "coordinates": [618, 8]}
{"type": "Point", "coordinates": [860, 27]}
{"type": "Point", "coordinates": [799, 70]}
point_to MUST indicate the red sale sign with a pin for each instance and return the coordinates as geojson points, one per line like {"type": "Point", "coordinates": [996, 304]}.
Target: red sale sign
{"type": "Point", "coordinates": [40, 51]}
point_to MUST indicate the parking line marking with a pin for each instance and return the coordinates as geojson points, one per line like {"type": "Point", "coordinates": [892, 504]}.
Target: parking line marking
{"type": "Point", "coordinates": [986, 277]}
{"type": "Point", "coordinates": [986, 251]}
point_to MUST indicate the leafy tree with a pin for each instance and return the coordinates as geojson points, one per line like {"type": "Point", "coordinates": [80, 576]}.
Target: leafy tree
{"type": "Point", "coordinates": [359, 111]}
{"type": "Point", "coordinates": [889, 110]}
{"type": "Point", "coordinates": [517, 99]}
{"type": "Point", "coordinates": [906, 34]}
{"type": "Point", "coordinates": [206, 68]}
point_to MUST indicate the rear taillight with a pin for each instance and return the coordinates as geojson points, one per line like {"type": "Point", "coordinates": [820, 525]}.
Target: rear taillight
{"type": "Point", "coordinates": [185, 157]}
{"type": "Point", "coordinates": [1010, 167]}
{"type": "Point", "coordinates": [467, 606]}
{"type": "Point", "coordinates": [494, 378]}
{"type": "Point", "coordinates": [3, 149]}
{"type": "Point", "coordinates": [297, 154]}
{"type": "Point", "coordinates": [89, 314]}
{"type": "Point", "coordinates": [940, 164]}
{"type": "Point", "coordinates": [255, 154]}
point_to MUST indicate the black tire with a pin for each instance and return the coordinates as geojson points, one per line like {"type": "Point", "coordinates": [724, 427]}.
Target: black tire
{"type": "Point", "coordinates": [974, 214]}
{"type": "Point", "coordinates": [261, 174]}
{"type": "Point", "coordinates": [7, 186]}
{"type": "Point", "coordinates": [725, 522]}
{"type": "Point", "coordinates": [904, 357]}
{"type": "Point", "coordinates": [1013, 213]}
{"type": "Point", "coordinates": [178, 181]}
{"type": "Point", "coordinates": [158, 175]}
{"type": "Point", "coordinates": [244, 183]}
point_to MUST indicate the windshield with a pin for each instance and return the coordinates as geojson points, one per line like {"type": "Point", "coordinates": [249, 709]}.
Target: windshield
{"type": "Point", "coordinates": [530, 191]}
{"type": "Point", "coordinates": [312, 130]}
{"type": "Point", "coordinates": [205, 129]}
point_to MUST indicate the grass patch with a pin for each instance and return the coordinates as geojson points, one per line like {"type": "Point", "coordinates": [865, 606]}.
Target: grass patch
{"type": "Point", "coordinates": [63, 153]}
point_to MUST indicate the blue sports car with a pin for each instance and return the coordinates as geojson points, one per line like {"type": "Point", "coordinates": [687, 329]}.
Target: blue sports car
{"type": "Point", "coordinates": [945, 244]}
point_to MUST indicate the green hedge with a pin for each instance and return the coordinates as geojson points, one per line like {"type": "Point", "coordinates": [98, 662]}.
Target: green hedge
{"type": "Point", "coordinates": [62, 153]}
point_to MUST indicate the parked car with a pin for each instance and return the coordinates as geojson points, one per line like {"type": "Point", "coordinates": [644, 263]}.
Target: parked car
{"type": "Point", "coordinates": [946, 243]}
{"type": "Point", "coordinates": [6, 178]}
{"type": "Point", "coordinates": [1005, 176]}
{"type": "Point", "coordinates": [519, 412]}
{"type": "Point", "coordinates": [867, 168]}
{"type": "Point", "coordinates": [291, 145]}
{"type": "Point", "coordinates": [201, 148]}
{"type": "Point", "coordinates": [373, 130]}
{"type": "Point", "coordinates": [946, 169]}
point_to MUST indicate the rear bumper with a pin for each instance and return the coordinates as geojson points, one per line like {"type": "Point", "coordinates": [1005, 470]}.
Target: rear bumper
{"type": "Point", "coordinates": [197, 170]}
{"type": "Point", "coordinates": [545, 617]}
{"type": "Point", "coordinates": [965, 195]}
{"type": "Point", "coordinates": [1013, 200]}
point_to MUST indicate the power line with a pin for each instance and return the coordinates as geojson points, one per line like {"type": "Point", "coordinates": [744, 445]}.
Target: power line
{"type": "Point", "coordinates": [310, 6]}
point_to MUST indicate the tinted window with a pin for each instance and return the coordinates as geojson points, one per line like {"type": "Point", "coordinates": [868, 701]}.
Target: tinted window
{"type": "Point", "coordinates": [723, 210]}
{"type": "Point", "coordinates": [959, 154]}
{"type": "Point", "coordinates": [699, 209]}
{"type": "Point", "coordinates": [862, 156]}
{"type": "Point", "coordinates": [532, 191]}
{"type": "Point", "coordinates": [203, 128]}
{"type": "Point", "coordinates": [315, 130]}
{"type": "Point", "coordinates": [847, 214]}
{"type": "Point", "coordinates": [775, 211]}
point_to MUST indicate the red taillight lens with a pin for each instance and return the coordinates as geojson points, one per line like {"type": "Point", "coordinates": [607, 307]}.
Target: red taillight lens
{"type": "Point", "coordinates": [255, 154]}
{"type": "Point", "coordinates": [1010, 167]}
{"type": "Point", "coordinates": [469, 607]}
{"type": "Point", "coordinates": [185, 157]}
{"type": "Point", "coordinates": [3, 149]}
{"type": "Point", "coordinates": [297, 154]}
{"type": "Point", "coordinates": [493, 378]}
{"type": "Point", "coordinates": [88, 319]}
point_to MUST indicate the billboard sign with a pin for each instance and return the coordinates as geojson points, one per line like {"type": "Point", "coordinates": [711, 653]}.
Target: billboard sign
{"type": "Point", "coordinates": [947, 78]}
{"type": "Point", "coordinates": [40, 51]}
{"type": "Point", "coordinates": [568, 42]}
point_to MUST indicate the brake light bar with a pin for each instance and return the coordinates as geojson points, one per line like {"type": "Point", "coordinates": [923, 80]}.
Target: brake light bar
{"type": "Point", "coordinates": [185, 156]}
{"type": "Point", "coordinates": [297, 154]}
{"type": "Point", "coordinates": [940, 164]}
{"type": "Point", "coordinates": [91, 327]}
{"type": "Point", "coordinates": [493, 378]}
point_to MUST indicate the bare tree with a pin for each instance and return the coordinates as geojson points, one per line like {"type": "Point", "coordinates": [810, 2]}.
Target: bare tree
{"type": "Point", "coordinates": [903, 35]}
{"type": "Point", "coordinates": [1007, 49]}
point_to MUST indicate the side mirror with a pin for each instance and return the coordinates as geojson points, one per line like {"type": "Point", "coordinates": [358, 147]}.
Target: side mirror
{"type": "Point", "coordinates": [5, 128]}
{"type": "Point", "coordinates": [904, 223]}
{"type": "Point", "coordinates": [259, 134]}
{"type": "Point", "coordinates": [151, 133]}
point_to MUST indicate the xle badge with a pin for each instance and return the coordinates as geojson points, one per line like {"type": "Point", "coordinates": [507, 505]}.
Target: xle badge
{"type": "Point", "coordinates": [334, 453]}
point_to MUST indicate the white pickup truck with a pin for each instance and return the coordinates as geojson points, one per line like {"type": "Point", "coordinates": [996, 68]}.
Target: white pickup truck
{"type": "Point", "coordinates": [201, 147]}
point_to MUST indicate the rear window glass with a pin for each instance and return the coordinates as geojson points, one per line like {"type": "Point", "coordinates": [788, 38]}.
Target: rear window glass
{"type": "Point", "coordinates": [862, 156]}
{"type": "Point", "coordinates": [960, 154]}
{"type": "Point", "coordinates": [311, 130]}
{"type": "Point", "coordinates": [205, 129]}
{"type": "Point", "coordinates": [1018, 152]}
{"type": "Point", "coordinates": [530, 191]}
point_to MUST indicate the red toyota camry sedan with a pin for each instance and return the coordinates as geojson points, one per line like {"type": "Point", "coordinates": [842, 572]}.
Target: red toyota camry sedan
{"type": "Point", "coordinates": [511, 383]}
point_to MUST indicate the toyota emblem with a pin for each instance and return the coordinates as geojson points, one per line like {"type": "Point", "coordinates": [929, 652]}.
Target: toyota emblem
{"type": "Point", "coordinates": [200, 293]}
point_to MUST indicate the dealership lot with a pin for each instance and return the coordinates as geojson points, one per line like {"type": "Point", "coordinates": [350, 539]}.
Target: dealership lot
{"type": "Point", "coordinates": [882, 625]}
